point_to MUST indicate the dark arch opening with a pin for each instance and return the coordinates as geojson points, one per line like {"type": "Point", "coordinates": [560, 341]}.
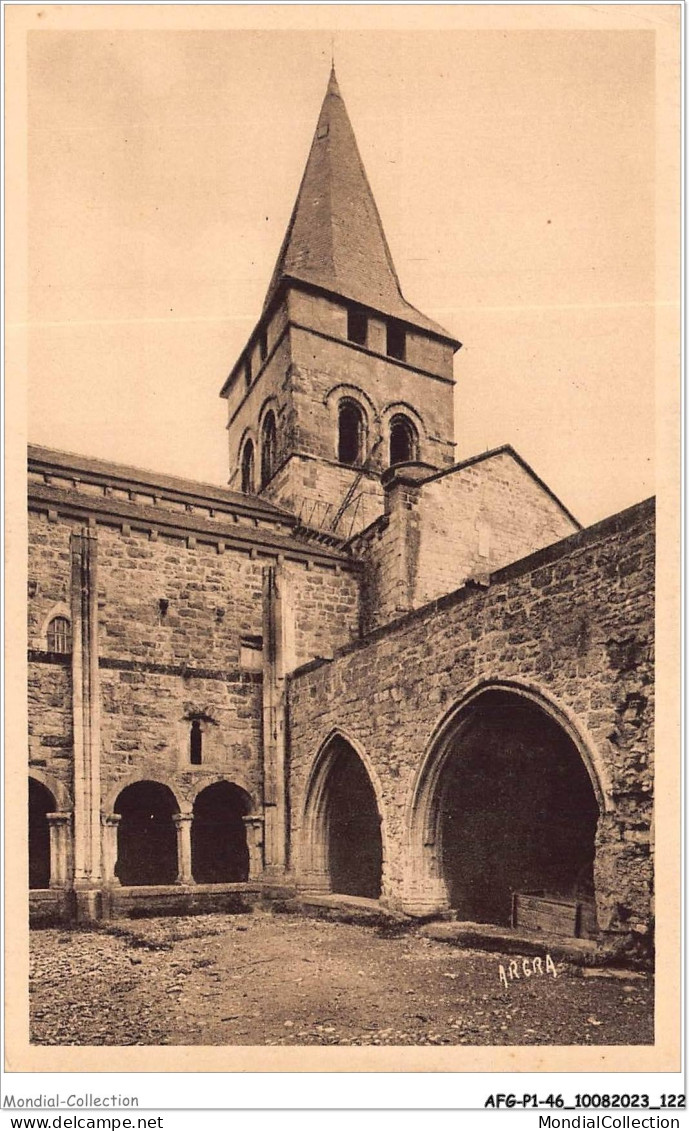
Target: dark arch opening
{"type": "Point", "coordinates": [268, 448]}
{"type": "Point", "coordinates": [41, 802]}
{"type": "Point", "coordinates": [352, 827]}
{"type": "Point", "coordinates": [516, 810]}
{"type": "Point", "coordinates": [403, 441]}
{"type": "Point", "coordinates": [351, 431]}
{"type": "Point", "coordinates": [248, 467]}
{"type": "Point", "coordinates": [219, 852]}
{"type": "Point", "coordinates": [146, 835]}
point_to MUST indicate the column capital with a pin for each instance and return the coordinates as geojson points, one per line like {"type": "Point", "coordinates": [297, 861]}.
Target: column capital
{"type": "Point", "coordinates": [61, 817]}
{"type": "Point", "coordinates": [110, 819]}
{"type": "Point", "coordinates": [180, 818]}
{"type": "Point", "coordinates": [254, 820]}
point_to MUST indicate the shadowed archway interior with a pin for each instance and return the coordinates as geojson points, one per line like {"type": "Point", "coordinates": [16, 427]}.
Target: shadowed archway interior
{"type": "Point", "coordinates": [219, 852]}
{"type": "Point", "coordinates": [516, 809]}
{"type": "Point", "coordinates": [146, 836]}
{"type": "Point", "coordinates": [352, 826]}
{"type": "Point", "coordinates": [41, 802]}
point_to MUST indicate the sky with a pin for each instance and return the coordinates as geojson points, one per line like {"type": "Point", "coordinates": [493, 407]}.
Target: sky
{"type": "Point", "coordinates": [514, 171]}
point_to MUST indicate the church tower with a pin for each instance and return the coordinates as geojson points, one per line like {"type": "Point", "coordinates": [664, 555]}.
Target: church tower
{"type": "Point", "coordinates": [341, 377]}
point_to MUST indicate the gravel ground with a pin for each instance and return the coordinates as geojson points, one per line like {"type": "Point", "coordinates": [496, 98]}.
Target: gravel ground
{"type": "Point", "coordinates": [263, 979]}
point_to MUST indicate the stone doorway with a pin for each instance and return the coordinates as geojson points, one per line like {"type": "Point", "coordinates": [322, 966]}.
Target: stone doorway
{"type": "Point", "coordinates": [146, 836]}
{"type": "Point", "coordinates": [219, 850]}
{"type": "Point", "coordinates": [343, 839]}
{"type": "Point", "coordinates": [41, 802]}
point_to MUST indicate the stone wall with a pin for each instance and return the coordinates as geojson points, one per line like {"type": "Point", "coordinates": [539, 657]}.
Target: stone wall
{"type": "Point", "coordinates": [461, 524]}
{"type": "Point", "coordinates": [172, 613]}
{"type": "Point", "coordinates": [327, 368]}
{"type": "Point", "coordinates": [314, 490]}
{"type": "Point", "coordinates": [572, 627]}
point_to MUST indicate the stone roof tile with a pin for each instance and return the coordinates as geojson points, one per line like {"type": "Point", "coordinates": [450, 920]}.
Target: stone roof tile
{"type": "Point", "coordinates": [335, 239]}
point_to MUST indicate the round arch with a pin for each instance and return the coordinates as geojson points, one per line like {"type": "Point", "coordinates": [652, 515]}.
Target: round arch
{"type": "Point", "coordinates": [354, 393]}
{"type": "Point", "coordinates": [41, 802]}
{"type": "Point", "coordinates": [63, 799]}
{"type": "Point", "coordinates": [343, 835]}
{"type": "Point", "coordinates": [509, 792]}
{"type": "Point", "coordinates": [404, 408]}
{"type": "Point", "coordinates": [146, 834]}
{"type": "Point", "coordinates": [60, 609]}
{"type": "Point", "coordinates": [237, 781]}
{"type": "Point", "coordinates": [219, 848]}
{"type": "Point", "coordinates": [110, 798]}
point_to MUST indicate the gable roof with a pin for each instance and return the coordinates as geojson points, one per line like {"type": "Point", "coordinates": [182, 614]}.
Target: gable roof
{"type": "Point", "coordinates": [335, 239]}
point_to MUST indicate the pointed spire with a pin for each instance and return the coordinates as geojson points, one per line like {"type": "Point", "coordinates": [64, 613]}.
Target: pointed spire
{"type": "Point", "coordinates": [335, 239]}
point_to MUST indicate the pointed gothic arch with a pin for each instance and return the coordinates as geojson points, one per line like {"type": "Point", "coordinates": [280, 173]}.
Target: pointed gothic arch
{"type": "Point", "coordinates": [342, 841]}
{"type": "Point", "coordinates": [508, 798]}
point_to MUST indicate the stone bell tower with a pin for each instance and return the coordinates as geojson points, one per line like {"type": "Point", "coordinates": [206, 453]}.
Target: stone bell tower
{"type": "Point", "coordinates": [341, 377]}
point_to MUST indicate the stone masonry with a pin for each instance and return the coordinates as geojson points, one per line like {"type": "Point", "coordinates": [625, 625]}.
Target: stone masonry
{"type": "Point", "coordinates": [362, 669]}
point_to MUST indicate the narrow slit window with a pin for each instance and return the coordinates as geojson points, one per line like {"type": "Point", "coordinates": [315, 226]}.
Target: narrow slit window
{"type": "Point", "coordinates": [248, 467]}
{"type": "Point", "coordinates": [268, 448]}
{"type": "Point", "coordinates": [396, 341]}
{"type": "Point", "coordinates": [357, 325]}
{"type": "Point", "coordinates": [247, 371]}
{"type": "Point", "coordinates": [263, 344]}
{"type": "Point", "coordinates": [195, 743]}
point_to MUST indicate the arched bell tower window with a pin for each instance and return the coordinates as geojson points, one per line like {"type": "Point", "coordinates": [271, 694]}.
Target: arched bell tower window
{"type": "Point", "coordinates": [268, 448]}
{"type": "Point", "coordinates": [403, 440]}
{"type": "Point", "coordinates": [351, 433]}
{"type": "Point", "coordinates": [59, 635]}
{"type": "Point", "coordinates": [248, 467]}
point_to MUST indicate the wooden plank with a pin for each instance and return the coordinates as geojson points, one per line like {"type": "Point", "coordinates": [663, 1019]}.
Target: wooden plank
{"type": "Point", "coordinates": [551, 916]}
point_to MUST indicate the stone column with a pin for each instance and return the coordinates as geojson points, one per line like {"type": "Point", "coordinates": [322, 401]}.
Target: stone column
{"type": "Point", "coordinates": [86, 721]}
{"type": "Point", "coordinates": [315, 882]}
{"type": "Point", "coordinates": [277, 661]}
{"type": "Point", "coordinates": [423, 890]}
{"type": "Point", "coordinates": [110, 823]}
{"type": "Point", "coordinates": [254, 824]}
{"type": "Point", "coordinates": [60, 826]}
{"type": "Point", "coordinates": [183, 826]}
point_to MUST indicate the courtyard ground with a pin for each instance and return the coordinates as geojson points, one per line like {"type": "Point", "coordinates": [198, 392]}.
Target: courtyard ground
{"type": "Point", "coordinates": [268, 979]}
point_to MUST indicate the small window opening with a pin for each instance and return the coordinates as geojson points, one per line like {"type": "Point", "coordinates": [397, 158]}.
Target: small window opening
{"type": "Point", "coordinates": [59, 635]}
{"type": "Point", "coordinates": [268, 448]}
{"type": "Point", "coordinates": [396, 341]}
{"type": "Point", "coordinates": [357, 325]}
{"type": "Point", "coordinates": [403, 447]}
{"type": "Point", "coordinates": [195, 743]}
{"type": "Point", "coordinates": [248, 467]}
{"type": "Point", "coordinates": [247, 371]}
{"type": "Point", "coordinates": [351, 432]}
{"type": "Point", "coordinates": [263, 344]}
{"type": "Point", "coordinates": [251, 653]}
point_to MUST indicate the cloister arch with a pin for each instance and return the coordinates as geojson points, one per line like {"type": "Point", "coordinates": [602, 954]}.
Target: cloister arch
{"type": "Point", "coordinates": [507, 799]}
{"type": "Point", "coordinates": [219, 849]}
{"type": "Point", "coordinates": [41, 803]}
{"type": "Point", "coordinates": [342, 842]}
{"type": "Point", "coordinates": [146, 834]}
